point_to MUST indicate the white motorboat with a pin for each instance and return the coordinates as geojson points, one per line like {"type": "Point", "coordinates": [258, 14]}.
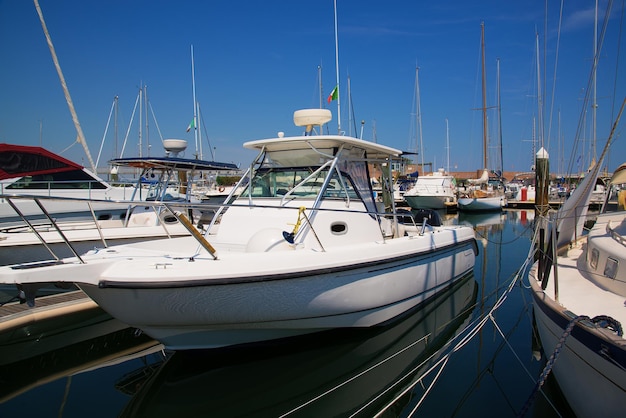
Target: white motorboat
{"type": "Point", "coordinates": [434, 191]}
{"type": "Point", "coordinates": [579, 305]}
{"type": "Point", "coordinates": [304, 248]}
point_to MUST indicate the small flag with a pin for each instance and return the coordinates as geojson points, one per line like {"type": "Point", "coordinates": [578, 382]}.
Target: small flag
{"type": "Point", "coordinates": [192, 124]}
{"type": "Point", "coordinates": [333, 94]}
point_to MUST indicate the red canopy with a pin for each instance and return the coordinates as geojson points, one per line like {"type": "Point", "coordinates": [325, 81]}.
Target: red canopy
{"type": "Point", "coordinates": [22, 160]}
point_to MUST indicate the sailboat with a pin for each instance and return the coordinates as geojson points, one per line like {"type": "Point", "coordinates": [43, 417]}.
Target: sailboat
{"type": "Point", "coordinates": [483, 196]}
{"type": "Point", "coordinates": [578, 290]}
{"type": "Point", "coordinates": [437, 189]}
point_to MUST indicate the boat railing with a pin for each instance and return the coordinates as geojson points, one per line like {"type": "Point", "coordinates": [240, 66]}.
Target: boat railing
{"type": "Point", "coordinates": [614, 234]}
{"type": "Point", "coordinates": [34, 222]}
{"type": "Point", "coordinates": [395, 226]}
{"type": "Point", "coordinates": [52, 187]}
{"type": "Point", "coordinates": [431, 188]}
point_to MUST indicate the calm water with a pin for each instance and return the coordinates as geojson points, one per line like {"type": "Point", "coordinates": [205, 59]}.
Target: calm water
{"type": "Point", "coordinates": [458, 356]}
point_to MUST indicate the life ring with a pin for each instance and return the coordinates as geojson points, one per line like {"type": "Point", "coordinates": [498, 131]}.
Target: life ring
{"type": "Point", "coordinates": [221, 189]}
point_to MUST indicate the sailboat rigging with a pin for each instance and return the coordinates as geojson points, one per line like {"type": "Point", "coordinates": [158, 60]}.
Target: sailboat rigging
{"type": "Point", "coordinates": [80, 137]}
{"type": "Point", "coordinates": [483, 196]}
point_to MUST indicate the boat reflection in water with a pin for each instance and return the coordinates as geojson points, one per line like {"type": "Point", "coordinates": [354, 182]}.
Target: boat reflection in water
{"type": "Point", "coordinates": [483, 220]}
{"type": "Point", "coordinates": [334, 373]}
{"type": "Point", "coordinates": [62, 342]}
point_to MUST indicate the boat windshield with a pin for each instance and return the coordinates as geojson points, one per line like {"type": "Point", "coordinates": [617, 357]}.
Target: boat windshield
{"type": "Point", "coordinates": [303, 174]}
{"type": "Point", "coordinates": [75, 179]}
{"type": "Point", "coordinates": [301, 182]}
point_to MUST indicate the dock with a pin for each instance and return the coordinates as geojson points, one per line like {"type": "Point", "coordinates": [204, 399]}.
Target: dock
{"type": "Point", "coordinates": [16, 315]}
{"type": "Point", "coordinates": [530, 204]}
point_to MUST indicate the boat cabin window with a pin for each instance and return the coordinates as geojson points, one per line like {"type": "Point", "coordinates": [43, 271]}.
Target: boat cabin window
{"type": "Point", "coordinates": [75, 179]}
{"type": "Point", "coordinates": [610, 269]}
{"type": "Point", "coordinates": [277, 182]}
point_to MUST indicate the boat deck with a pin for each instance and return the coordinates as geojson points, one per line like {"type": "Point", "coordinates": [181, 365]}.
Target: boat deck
{"type": "Point", "coordinates": [578, 295]}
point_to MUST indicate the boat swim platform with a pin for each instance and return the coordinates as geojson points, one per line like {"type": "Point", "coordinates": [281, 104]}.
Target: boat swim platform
{"type": "Point", "coordinates": [15, 314]}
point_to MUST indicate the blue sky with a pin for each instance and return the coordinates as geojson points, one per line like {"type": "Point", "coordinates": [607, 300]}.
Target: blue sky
{"type": "Point", "coordinates": [257, 61]}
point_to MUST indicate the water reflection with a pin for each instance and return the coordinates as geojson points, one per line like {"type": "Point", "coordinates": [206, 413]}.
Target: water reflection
{"type": "Point", "coordinates": [484, 220]}
{"type": "Point", "coordinates": [329, 374]}
{"type": "Point", "coordinates": [55, 346]}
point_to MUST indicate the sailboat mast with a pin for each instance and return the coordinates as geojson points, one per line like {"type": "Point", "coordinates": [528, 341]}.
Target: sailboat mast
{"type": "Point", "coordinates": [106, 129]}
{"type": "Point", "coordinates": [418, 116]}
{"type": "Point", "coordinates": [337, 73]}
{"type": "Point", "coordinates": [540, 131]}
{"type": "Point", "coordinates": [140, 119]}
{"type": "Point", "coordinates": [147, 116]}
{"type": "Point", "coordinates": [484, 88]}
{"type": "Point", "coordinates": [195, 105]}
{"type": "Point", "coordinates": [447, 147]}
{"type": "Point", "coordinates": [116, 100]}
{"type": "Point", "coordinates": [594, 105]}
{"type": "Point", "coordinates": [499, 116]}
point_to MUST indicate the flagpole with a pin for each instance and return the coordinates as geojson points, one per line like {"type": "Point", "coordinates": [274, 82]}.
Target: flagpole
{"type": "Point", "coordinates": [337, 72]}
{"type": "Point", "coordinates": [195, 106]}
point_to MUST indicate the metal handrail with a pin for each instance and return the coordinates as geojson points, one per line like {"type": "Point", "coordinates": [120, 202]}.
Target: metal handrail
{"type": "Point", "coordinates": [615, 235]}
{"type": "Point", "coordinates": [177, 208]}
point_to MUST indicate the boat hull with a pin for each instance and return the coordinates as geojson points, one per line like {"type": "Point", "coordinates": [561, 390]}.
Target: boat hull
{"type": "Point", "coordinates": [208, 313]}
{"type": "Point", "coordinates": [482, 204]}
{"type": "Point", "coordinates": [429, 202]}
{"type": "Point", "coordinates": [591, 361]}
{"type": "Point", "coordinates": [367, 368]}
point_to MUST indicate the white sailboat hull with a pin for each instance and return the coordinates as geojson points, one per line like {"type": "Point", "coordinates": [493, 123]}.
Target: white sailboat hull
{"type": "Point", "coordinates": [579, 366]}
{"type": "Point", "coordinates": [478, 204]}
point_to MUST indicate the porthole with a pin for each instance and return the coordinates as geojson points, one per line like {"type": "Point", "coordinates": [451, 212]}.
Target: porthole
{"type": "Point", "coordinates": [339, 228]}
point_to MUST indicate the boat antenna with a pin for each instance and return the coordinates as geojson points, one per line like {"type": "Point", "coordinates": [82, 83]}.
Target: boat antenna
{"type": "Point", "coordinates": [321, 88]}
{"type": "Point", "coordinates": [80, 135]}
{"type": "Point", "coordinates": [337, 72]}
